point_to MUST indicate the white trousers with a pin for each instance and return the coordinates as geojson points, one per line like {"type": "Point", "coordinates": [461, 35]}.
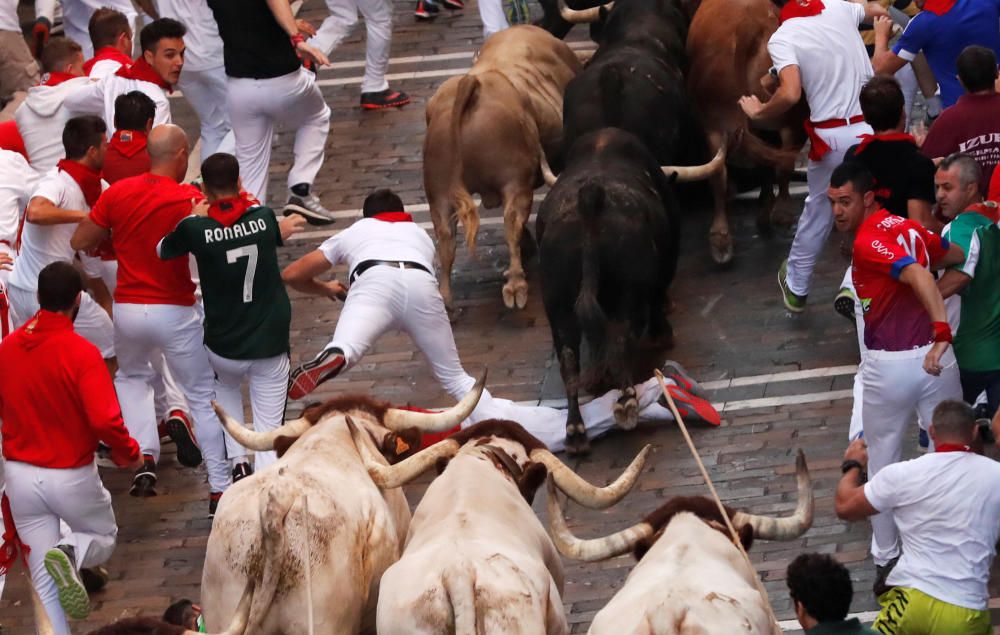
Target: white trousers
{"type": "Point", "coordinates": [895, 391]}
{"type": "Point", "coordinates": [141, 329]}
{"type": "Point", "coordinates": [257, 105]}
{"type": "Point", "coordinates": [167, 394]}
{"type": "Point", "coordinates": [493, 17]}
{"type": "Point", "coordinates": [8, 250]}
{"type": "Point", "coordinates": [206, 91]}
{"type": "Point", "coordinates": [816, 220]}
{"type": "Point", "coordinates": [92, 322]}
{"type": "Point", "coordinates": [378, 32]}
{"type": "Point", "coordinates": [268, 380]}
{"type": "Point", "coordinates": [41, 497]}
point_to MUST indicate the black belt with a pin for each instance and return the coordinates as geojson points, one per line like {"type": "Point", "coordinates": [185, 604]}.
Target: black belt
{"type": "Point", "coordinates": [365, 265]}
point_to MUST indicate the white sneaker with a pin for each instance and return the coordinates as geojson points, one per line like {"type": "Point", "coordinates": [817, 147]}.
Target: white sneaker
{"type": "Point", "coordinates": [309, 207]}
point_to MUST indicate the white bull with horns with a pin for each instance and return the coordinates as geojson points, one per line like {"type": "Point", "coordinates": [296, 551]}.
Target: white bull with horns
{"type": "Point", "coordinates": [690, 577]}
{"type": "Point", "coordinates": [477, 560]}
{"type": "Point", "coordinates": [312, 532]}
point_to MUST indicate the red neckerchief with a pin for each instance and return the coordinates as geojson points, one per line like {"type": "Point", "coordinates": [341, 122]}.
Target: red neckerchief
{"type": "Point", "coordinates": [88, 180]}
{"type": "Point", "coordinates": [988, 210]}
{"type": "Point", "coordinates": [800, 9]}
{"type": "Point", "coordinates": [141, 70]}
{"type": "Point", "coordinates": [128, 142]}
{"type": "Point", "coordinates": [393, 217]}
{"type": "Point", "coordinates": [952, 447]}
{"type": "Point", "coordinates": [229, 210]}
{"type": "Point", "coordinates": [939, 7]}
{"type": "Point", "coordinates": [56, 78]}
{"type": "Point", "coordinates": [10, 542]}
{"type": "Point", "coordinates": [866, 139]}
{"type": "Point", "coordinates": [106, 53]}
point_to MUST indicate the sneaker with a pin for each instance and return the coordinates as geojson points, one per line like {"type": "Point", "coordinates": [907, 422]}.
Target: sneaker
{"type": "Point", "coordinates": [213, 503]}
{"type": "Point", "coordinates": [844, 303]}
{"type": "Point", "coordinates": [241, 471]}
{"type": "Point", "coordinates": [673, 370]}
{"type": "Point", "coordinates": [387, 98]}
{"type": "Point", "coordinates": [517, 12]}
{"type": "Point", "coordinates": [305, 377]}
{"type": "Point", "coordinates": [309, 207]}
{"type": "Point", "coordinates": [879, 587]}
{"type": "Point", "coordinates": [144, 481]}
{"type": "Point", "coordinates": [923, 441]}
{"type": "Point", "coordinates": [794, 303]}
{"type": "Point", "coordinates": [691, 407]}
{"type": "Point", "coordinates": [104, 455]}
{"type": "Point", "coordinates": [94, 578]}
{"type": "Point", "coordinates": [180, 430]}
{"type": "Point", "coordinates": [425, 10]}
{"type": "Point", "coordinates": [453, 5]}
{"type": "Point", "coordinates": [161, 429]}
{"type": "Point", "coordinates": [60, 563]}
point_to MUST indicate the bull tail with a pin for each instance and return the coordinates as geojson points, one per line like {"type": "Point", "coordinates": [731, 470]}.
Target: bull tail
{"type": "Point", "coordinates": [465, 207]}
{"type": "Point", "coordinates": [611, 84]}
{"type": "Point", "coordinates": [758, 150]}
{"type": "Point", "coordinates": [590, 203]}
{"type": "Point", "coordinates": [275, 503]}
{"type": "Point", "coordinates": [460, 585]}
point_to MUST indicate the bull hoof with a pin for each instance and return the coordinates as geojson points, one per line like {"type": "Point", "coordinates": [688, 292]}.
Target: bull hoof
{"type": "Point", "coordinates": [577, 442]}
{"type": "Point", "coordinates": [626, 410]}
{"type": "Point", "coordinates": [515, 294]}
{"type": "Point", "coordinates": [721, 245]}
{"type": "Point", "coordinates": [784, 213]}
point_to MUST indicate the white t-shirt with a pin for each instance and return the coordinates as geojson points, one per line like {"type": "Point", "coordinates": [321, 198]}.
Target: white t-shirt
{"type": "Point", "coordinates": [203, 42]}
{"type": "Point", "coordinates": [104, 68]}
{"type": "Point", "coordinates": [42, 245]}
{"type": "Point", "coordinates": [947, 508]}
{"type": "Point", "coordinates": [41, 119]}
{"type": "Point", "coordinates": [17, 181]}
{"type": "Point", "coordinates": [8, 13]}
{"type": "Point", "coordinates": [98, 98]}
{"type": "Point", "coordinates": [373, 239]}
{"type": "Point", "coordinates": [831, 58]}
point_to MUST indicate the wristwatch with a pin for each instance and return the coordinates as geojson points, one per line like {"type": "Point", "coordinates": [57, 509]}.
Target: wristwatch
{"type": "Point", "coordinates": [849, 465]}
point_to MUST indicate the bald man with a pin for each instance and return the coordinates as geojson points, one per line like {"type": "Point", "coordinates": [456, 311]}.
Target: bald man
{"type": "Point", "coordinates": [155, 309]}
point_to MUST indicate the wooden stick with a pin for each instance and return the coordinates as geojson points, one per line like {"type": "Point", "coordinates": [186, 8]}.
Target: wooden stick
{"type": "Point", "coordinates": [715, 495]}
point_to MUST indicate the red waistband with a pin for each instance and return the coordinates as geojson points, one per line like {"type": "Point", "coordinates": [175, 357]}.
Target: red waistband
{"type": "Point", "coordinates": [837, 123]}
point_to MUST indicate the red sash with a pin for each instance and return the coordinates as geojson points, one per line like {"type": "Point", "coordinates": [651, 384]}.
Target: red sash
{"type": "Point", "coordinates": [229, 210]}
{"type": "Point", "coordinates": [393, 217]}
{"type": "Point", "coordinates": [107, 53]}
{"type": "Point", "coordinates": [88, 180]}
{"type": "Point", "coordinates": [866, 139]}
{"type": "Point", "coordinates": [800, 9]}
{"type": "Point", "coordinates": [142, 71]}
{"type": "Point", "coordinates": [55, 78]}
{"type": "Point", "coordinates": [817, 147]}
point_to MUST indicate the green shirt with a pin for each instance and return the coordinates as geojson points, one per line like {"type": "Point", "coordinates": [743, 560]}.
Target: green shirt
{"type": "Point", "coordinates": [977, 342]}
{"type": "Point", "coordinates": [247, 312]}
{"type": "Point", "coordinates": [852, 626]}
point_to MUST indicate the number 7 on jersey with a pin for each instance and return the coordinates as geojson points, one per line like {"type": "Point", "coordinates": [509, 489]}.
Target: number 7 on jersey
{"type": "Point", "coordinates": [250, 253]}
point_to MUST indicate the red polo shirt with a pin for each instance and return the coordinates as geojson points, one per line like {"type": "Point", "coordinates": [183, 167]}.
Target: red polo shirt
{"type": "Point", "coordinates": [139, 211]}
{"type": "Point", "coordinates": [56, 398]}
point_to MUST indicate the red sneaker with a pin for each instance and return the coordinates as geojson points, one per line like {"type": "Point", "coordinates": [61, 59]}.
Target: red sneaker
{"type": "Point", "coordinates": [387, 98]}
{"type": "Point", "coordinates": [692, 407]}
{"type": "Point", "coordinates": [305, 377]}
{"type": "Point", "coordinates": [180, 430]}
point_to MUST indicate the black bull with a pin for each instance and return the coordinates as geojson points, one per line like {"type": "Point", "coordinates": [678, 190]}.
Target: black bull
{"type": "Point", "coordinates": [608, 235]}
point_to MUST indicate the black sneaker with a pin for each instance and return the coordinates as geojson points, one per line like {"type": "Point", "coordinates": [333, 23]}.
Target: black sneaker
{"type": "Point", "coordinates": [844, 303]}
{"type": "Point", "coordinates": [241, 471]}
{"type": "Point", "coordinates": [305, 377]}
{"type": "Point", "coordinates": [387, 98]}
{"type": "Point", "coordinates": [426, 10]}
{"type": "Point", "coordinates": [213, 503]}
{"type": "Point", "coordinates": [60, 563]}
{"type": "Point", "coordinates": [309, 207]}
{"type": "Point", "coordinates": [180, 430]}
{"type": "Point", "coordinates": [144, 481]}
{"type": "Point", "coordinates": [879, 587]}
{"type": "Point", "coordinates": [453, 5]}
{"type": "Point", "coordinates": [94, 578]}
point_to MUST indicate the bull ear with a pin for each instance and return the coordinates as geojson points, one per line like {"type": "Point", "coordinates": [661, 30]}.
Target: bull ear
{"type": "Point", "coordinates": [401, 444]}
{"type": "Point", "coordinates": [282, 443]}
{"type": "Point", "coordinates": [441, 464]}
{"type": "Point", "coordinates": [531, 479]}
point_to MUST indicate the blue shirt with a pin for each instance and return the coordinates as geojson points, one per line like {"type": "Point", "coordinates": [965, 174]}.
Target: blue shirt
{"type": "Point", "coordinates": [942, 38]}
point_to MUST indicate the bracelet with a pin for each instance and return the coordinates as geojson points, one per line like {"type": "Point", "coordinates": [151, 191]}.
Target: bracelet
{"type": "Point", "coordinates": [849, 465]}
{"type": "Point", "coordinates": [942, 331]}
{"type": "Point", "coordinates": [297, 39]}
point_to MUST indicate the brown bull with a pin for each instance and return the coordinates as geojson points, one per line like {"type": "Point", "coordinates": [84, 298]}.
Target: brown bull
{"type": "Point", "coordinates": [727, 53]}
{"type": "Point", "coordinates": [488, 133]}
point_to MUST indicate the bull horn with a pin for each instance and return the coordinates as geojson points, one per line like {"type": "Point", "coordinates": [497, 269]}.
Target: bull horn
{"type": "Point", "coordinates": [790, 528]}
{"type": "Point", "coordinates": [391, 476]}
{"type": "Point", "coordinates": [583, 492]}
{"type": "Point", "coordinates": [543, 163]}
{"type": "Point", "coordinates": [238, 625]}
{"type": "Point", "coordinates": [259, 441]}
{"type": "Point", "coordinates": [43, 625]}
{"type": "Point", "coordinates": [590, 550]}
{"type": "Point", "coordinates": [697, 172]}
{"type": "Point", "coordinates": [582, 16]}
{"type": "Point", "coordinates": [397, 420]}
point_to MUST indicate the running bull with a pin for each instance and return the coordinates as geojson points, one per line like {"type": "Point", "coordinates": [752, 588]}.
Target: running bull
{"type": "Point", "coordinates": [609, 237]}
{"type": "Point", "coordinates": [690, 577]}
{"type": "Point", "coordinates": [313, 533]}
{"type": "Point", "coordinates": [489, 132]}
{"type": "Point", "coordinates": [477, 560]}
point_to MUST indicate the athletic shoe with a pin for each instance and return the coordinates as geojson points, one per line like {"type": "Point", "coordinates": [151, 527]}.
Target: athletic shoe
{"type": "Point", "coordinates": [879, 587]}
{"type": "Point", "coordinates": [426, 10]}
{"type": "Point", "coordinates": [104, 455]}
{"type": "Point", "coordinates": [305, 377]}
{"type": "Point", "coordinates": [844, 303]}
{"type": "Point", "coordinates": [387, 98]}
{"type": "Point", "coordinates": [794, 303]}
{"type": "Point", "coordinates": [180, 430]}
{"type": "Point", "coordinates": [144, 481]}
{"type": "Point", "coordinates": [673, 370]}
{"type": "Point", "coordinates": [309, 207]}
{"type": "Point", "coordinates": [94, 578]}
{"type": "Point", "coordinates": [923, 441]}
{"type": "Point", "coordinates": [517, 11]}
{"type": "Point", "coordinates": [213, 503]}
{"type": "Point", "coordinates": [691, 407]}
{"type": "Point", "coordinates": [161, 429]}
{"type": "Point", "coordinates": [241, 471]}
{"type": "Point", "coordinates": [453, 5]}
{"type": "Point", "coordinates": [60, 563]}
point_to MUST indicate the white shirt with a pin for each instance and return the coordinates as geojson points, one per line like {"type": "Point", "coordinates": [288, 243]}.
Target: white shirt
{"type": "Point", "coordinates": [830, 55]}
{"type": "Point", "coordinates": [98, 98]}
{"type": "Point", "coordinates": [17, 181]}
{"type": "Point", "coordinates": [947, 508]}
{"type": "Point", "coordinates": [8, 13]}
{"type": "Point", "coordinates": [42, 245]}
{"type": "Point", "coordinates": [104, 68]}
{"type": "Point", "coordinates": [77, 13]}
{"type": "Point", "coordinates": [372, 239]}
{"type": "Point", "coordinates": [203, 42]}
{"type": "Point", "coordinates": [41, 119]}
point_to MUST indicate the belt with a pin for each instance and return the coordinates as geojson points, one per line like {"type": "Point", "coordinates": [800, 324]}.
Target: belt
{"type": "Point", "coordinates": [365, 265]}
{"type": "Point", "coordinates": [818, 147]}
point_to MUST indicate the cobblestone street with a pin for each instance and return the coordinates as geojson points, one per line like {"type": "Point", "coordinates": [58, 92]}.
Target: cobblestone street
{"type": "Point", "coordinates": [781, 382]}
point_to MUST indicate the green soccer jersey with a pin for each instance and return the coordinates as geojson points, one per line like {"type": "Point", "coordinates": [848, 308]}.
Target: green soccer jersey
{"type": "Point", "coordinates": [247, 311]}
{"type": "Point", "coordinates": [977, 342]}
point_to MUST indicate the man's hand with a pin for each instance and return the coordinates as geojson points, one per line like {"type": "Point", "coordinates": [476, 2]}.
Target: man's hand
{"type": "Point", "coordinates": [311, 53]}
{"type": "Point", "coordinates": [932, 361]}
{"type": "Point", "coordinates": [200, 208]}
{"type": "Point", "coordinates": [6, 262]}
{"type": "Point", "coordinates": [291, 225]}
{"type": "Point", "coordinates": [336, 290]}
{"type": "Point", "coordinates": [857, 451]}
{"type": "Point", "coordinates": [751, 105]}
{"type": "Point", "coordinates": [305, 27]}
